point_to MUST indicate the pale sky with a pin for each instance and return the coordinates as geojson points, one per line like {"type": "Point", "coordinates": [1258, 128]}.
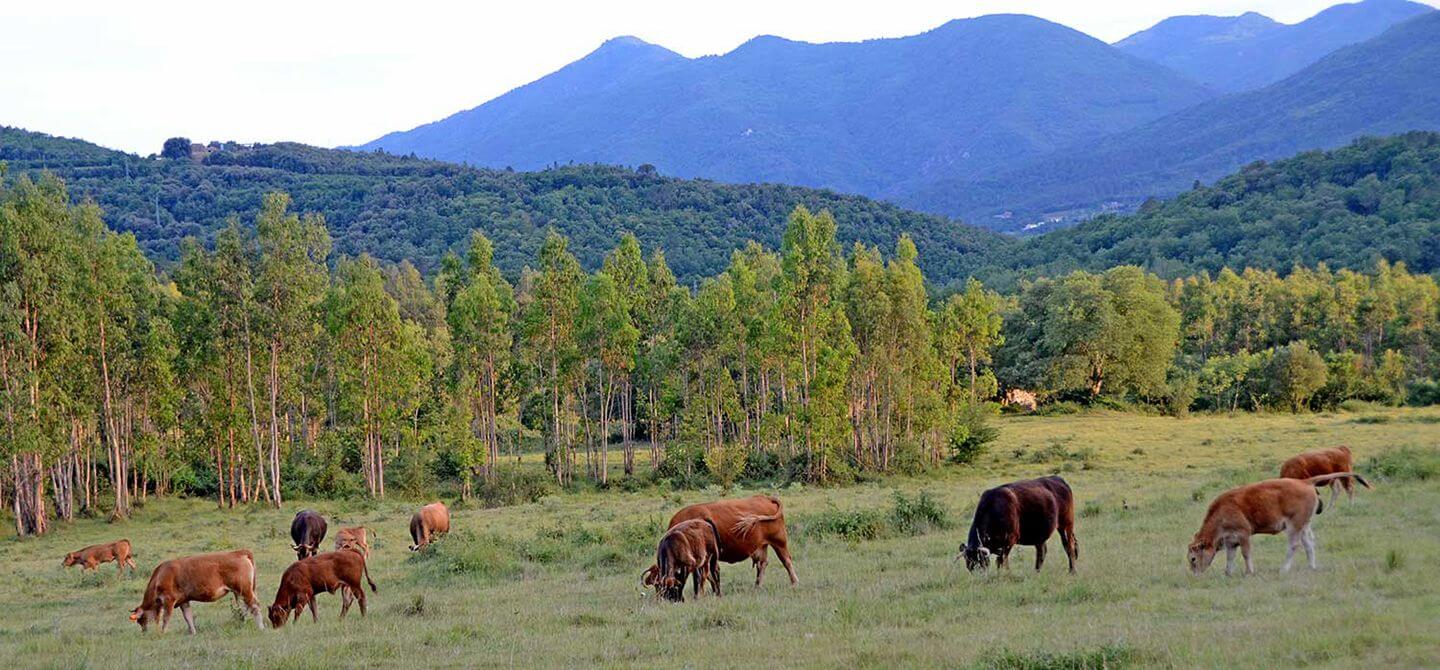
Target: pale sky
{"type": "Point", "coordinates": [128, 75]}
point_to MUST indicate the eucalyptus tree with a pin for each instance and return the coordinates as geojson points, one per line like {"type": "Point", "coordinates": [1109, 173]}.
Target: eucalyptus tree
{"type": "Point", "coordinates": [549, 338]}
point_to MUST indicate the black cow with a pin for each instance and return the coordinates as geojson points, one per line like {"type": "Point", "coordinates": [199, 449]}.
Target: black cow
{"type": "Point", "coordinates": [307, 531]}
{"type": "Point", "coordinates": [1024, 512]}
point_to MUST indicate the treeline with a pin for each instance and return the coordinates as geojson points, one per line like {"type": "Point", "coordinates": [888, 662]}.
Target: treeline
{"type": "Point", "coordinates": [264, 365]}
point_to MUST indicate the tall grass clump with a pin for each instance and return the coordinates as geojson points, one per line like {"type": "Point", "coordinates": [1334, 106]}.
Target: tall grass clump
{"type": "Point", "coordinates": [1104, 657]}
{"type": "Point", "coordinates": [1406, 464]}
{"type": "Point", "coordinates": [908, 516]}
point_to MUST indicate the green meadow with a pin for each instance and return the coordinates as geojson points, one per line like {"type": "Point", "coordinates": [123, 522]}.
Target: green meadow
{"type": "Point", "coordinates": [556, 582]}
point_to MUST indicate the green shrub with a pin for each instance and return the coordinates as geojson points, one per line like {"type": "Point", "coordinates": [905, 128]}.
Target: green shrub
{"type": "Point", "coordinates": [1424, 392]}
{"type": "Point", "coordinates": [1107, 656]}
{"type": "Point", "coordinates": [1406, 464]}
{"type": "Point", "coordinates": [970, 431]}
{"type": "Point", "coordinates": [918, 515]}
{"type": "Point", "coordinates": [514, 484]}
{"type": "Point", "coordinates": [851, 525]}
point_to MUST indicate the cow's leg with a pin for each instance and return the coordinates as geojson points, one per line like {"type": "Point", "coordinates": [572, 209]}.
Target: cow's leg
{"type": "Point", "coordinates": [315, 609]}
{"type": "Point", "coordinates": [1072, 546]}
{"type": "Point", "coordinates": [1039, 556]}
{"type": "Point", "coordinates": [360, 596]}
{"type": "Point", "coordinates": [1245, 551]}
{"type": "Point", "coordinates": [1307, 538]}
{"type": "Point", "coordinates": [760, 558]}
{"type": "Point", "coordinates": [345, 599]}
{"type": "Point", "coordinates": [189, 617]}
{"type": "Point", "coordinates": [782, 549]}
{"type": "Point", "coordinates": [1334, 492]}
{"type": "Point", "coordinates": [1349, 485]}
{"type": "Point", "coordinates": [715, 575]}
{"type": "Point", "coordinates": [1294, 541]}
{"type": "Point", "coordinates": [1229, 560]}
{"type": "Point", "coordinates": [697, 577]}
{"type": "Point", "coordinates": [165, 615]}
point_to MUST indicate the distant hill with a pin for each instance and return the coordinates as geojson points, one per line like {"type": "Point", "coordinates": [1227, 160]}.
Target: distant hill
{"type": "Point", "coordinates": [1388, 85]}
{"type": "Point", "coordinates": [1378, 198]}
{"type": "Point", "coordinates": [405, 208]}
{"type": "Point", "coordinates": [1240, 53]}
{"type": "Point", "coordinates": [956, 101]}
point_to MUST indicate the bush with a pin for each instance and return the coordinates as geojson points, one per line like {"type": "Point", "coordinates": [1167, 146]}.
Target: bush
{"type": "Point", "coordinates": [1295, 374]}
{"type": "Point", "coordinates": [970, 431]}
{"type": "Point", "coordinates": [1406, 464]}
{"type": "Point", "coordinates": [851, 525]}
{"type": "Point", "coordinates": [514, 484]}
{"type": "Point", "coordinates": [918, 515]}
{"type": "Point", "coordinates": [1424, 392]}
{"type": "Point", "coordinates": [727, 463]}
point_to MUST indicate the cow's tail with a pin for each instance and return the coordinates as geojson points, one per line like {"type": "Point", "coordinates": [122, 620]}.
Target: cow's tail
{"type": "Point", "coordinates": [1321, 479]}
{"type": "Point", "coordinates": [716, 531]}
{"type": "Point", "coordinates": [748, 521]}
{"type": "Point", "coordinates": [366, 566]}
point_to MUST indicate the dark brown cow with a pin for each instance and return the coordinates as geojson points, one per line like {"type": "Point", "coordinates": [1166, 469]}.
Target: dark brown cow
{"type": "Point", "coordinates": [307, 531]}
{"type": "Point", "coordinates": [747, 528]}
{"type": "Point", "coordinates": [355, 537]}
{"type": "Point", "coordinates": [1263, 508]}
{"type": "Point", "coordinates": [92, 556]}
{"type": "Point", "coordinates": [689, 549]}
{"type": "Point", "coordinates": [324, 573]}
{"type": "Point", "coordinates": [1025, 512]}
{"type": "Point", "coordinates": [431, 521]}
{"type": "Point", "coordinates": [202, 578]}
{"type": "Point", "coordinates": [1324, 462]}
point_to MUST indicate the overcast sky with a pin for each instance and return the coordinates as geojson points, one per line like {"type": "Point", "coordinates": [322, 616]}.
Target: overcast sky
{"type": "Point", "coordinates": [130, 74]}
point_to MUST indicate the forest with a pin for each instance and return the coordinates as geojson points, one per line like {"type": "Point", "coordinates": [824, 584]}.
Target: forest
{"type": "Point", "coordinates": [263, 364]}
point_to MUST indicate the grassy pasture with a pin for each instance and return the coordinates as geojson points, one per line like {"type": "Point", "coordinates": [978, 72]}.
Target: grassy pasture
{"type": "Point", "coordinates": [556, 583]}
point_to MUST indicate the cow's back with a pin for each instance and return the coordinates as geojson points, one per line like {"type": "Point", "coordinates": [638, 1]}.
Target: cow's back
{"type": "Point", "coordinates": [1317, 462]}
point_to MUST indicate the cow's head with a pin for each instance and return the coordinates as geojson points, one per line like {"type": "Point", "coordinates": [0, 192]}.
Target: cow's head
{"type": "Point", "coordinates": [278, 615]}
{"type": "Point", "coordinates": [71, 559]}
{"type": "Point", "coordinates": [647, 578]}
{"type": "Point", "coordinates": [977, 557]}
{"type": "Point", "coordinates": [671, 587]}
{"type": "Point", "coordinates": [304, 551]}
{"type": "Point", "coordinates": [1202, 553]}
{"type": "Point", "coordinates": [144, 617]}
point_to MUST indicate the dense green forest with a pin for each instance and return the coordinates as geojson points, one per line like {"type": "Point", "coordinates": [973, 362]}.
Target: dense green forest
{"type": "Point", "coordinates": [264, 364]}
{"type": "Point", "coordinates": [1378, 198]}
{"type": "Point", "coordinates": [402, 208]}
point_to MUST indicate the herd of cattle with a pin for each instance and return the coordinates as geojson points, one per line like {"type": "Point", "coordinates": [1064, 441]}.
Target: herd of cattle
{"type": "Point", "coordinates": [700, 537]}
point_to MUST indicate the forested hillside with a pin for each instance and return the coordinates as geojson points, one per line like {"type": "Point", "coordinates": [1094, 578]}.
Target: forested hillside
{"type": "Point", "coordinates": [1378, 198]}
{"type": "Point", "coordinates": [402, 208]}
{"type": "Point", "coordinates": [1388, 85]}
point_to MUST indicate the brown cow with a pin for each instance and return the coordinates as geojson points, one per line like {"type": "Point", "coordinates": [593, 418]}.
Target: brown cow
{"type": "Point", "coordinates": [1324, 462]}
{"type": "Point", "coordinates": [747, 527]}
{"type": "Point", "coordinates": [355, 537]}
{"type": "Point", "coordinates": [308, 531]}
{"type": "Point", "coordinates": [1264, 508]}
{"type": "Point", "coordinates": [689, 548]}
{"type": "Point", "coordinates": [1025, 512]}
{"type": "Point", "coordinates": [92, 556]}
{"type": "Point", "coordinates": [431, 521]}
{"type": "Point", "coordinates": [324, 573]}
{"type": "Point", "coordinates": [202, 578]}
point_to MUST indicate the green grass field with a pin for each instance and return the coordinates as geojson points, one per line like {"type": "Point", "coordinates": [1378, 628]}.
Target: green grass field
{"type": "Point", "coordinates": [557, 583]}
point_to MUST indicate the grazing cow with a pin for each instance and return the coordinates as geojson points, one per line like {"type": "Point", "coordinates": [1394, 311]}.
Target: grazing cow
{"type": "Point", "coordinates": [92, 556]}
{"type": "Point", "coordinates": [689, 549]}
{"type": "Point", "coordinates": [1019, 398]}
{"type": "Point", "coordinates": [1263, 508]}
{"type": "Point", "coordinates": [355, 537]}
{"type": "Point", "coordinates": [307, 531]}
{"type": "Point", "coordinates": [427, 524]}
{"type": "Point", "coordinates": [747, 528]}
{"type": "Point", "coordinates": [1324, 462]}
{"type": "Point", "coordinates": [1024, 512]}
{"type": "Point", "coordinates": [323, 573]}
{"type": "Point", "coordinates": [202, 578]}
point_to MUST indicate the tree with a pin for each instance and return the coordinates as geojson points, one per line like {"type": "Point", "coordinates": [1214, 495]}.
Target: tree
{"type": "Point", "coordinates": [479, 315]}
{"type": "Point", "coordinates": [176, 148]}
{"type": "Point", "coordinates": [1295, 374]}
{"type": "Point", "coordinates": [610, 337]}
{"type": "Point", "coordinates": [968, 329]}
{"type": "Point", "coordinates": [364, 322]}
{"type": "Point", "coordinates": [548, 326]}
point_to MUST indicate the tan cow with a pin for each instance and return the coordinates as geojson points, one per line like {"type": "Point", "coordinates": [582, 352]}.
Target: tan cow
{"type": "Point", "coordinates": [748, 527]}
{"type": "Point", "coordinates": [323, 573]}
{"type": "Point", "coordinates": [1263, 508]}
{"type": "Point", "coordinates": [1323, 462]}
{"type": "Point", "coordinates": [203, 578]}
{"type": "Point", "coordinates": [431, 521]}
{"type": "Point", "coordinates": [355, 537]}
{"type": "Point", "coordinates": [92, 556]}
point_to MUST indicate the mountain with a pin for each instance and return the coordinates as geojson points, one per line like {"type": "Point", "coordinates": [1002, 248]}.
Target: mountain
{"type": "Point", "coordinates": [862, 117]}
{"type": "Point", "coordinates": [1375, 199]}
{"type": "Point", "coordinates": [398, 208]}
{"type": "Point", "coordinates": [1388, 85]}
{"type": "Point", "coordinates": [1241, 53]}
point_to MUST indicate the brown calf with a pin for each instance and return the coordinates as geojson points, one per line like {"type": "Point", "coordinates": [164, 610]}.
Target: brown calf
{"type": "Point", "coordinates": [324, 573]}
{"type": "Point", "coordinates": [689, 549]}
{"type": "Point", "coordinates": [431, 521]}
{"type": "Point", "coordinates": [1026, 512]}
{"type": "Point", "coordinates": [202, 578]}
{"type": "Point", "coordinates": [356, 538]}
{"type": "Point", "coordinates": [1263, 508]}
{"type": "Point", "coordinates": [92, 556]}
{"type": "Point", "coordinates": [1324, 462]}
{"type": "Point", "coordinates": [748, 528]}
